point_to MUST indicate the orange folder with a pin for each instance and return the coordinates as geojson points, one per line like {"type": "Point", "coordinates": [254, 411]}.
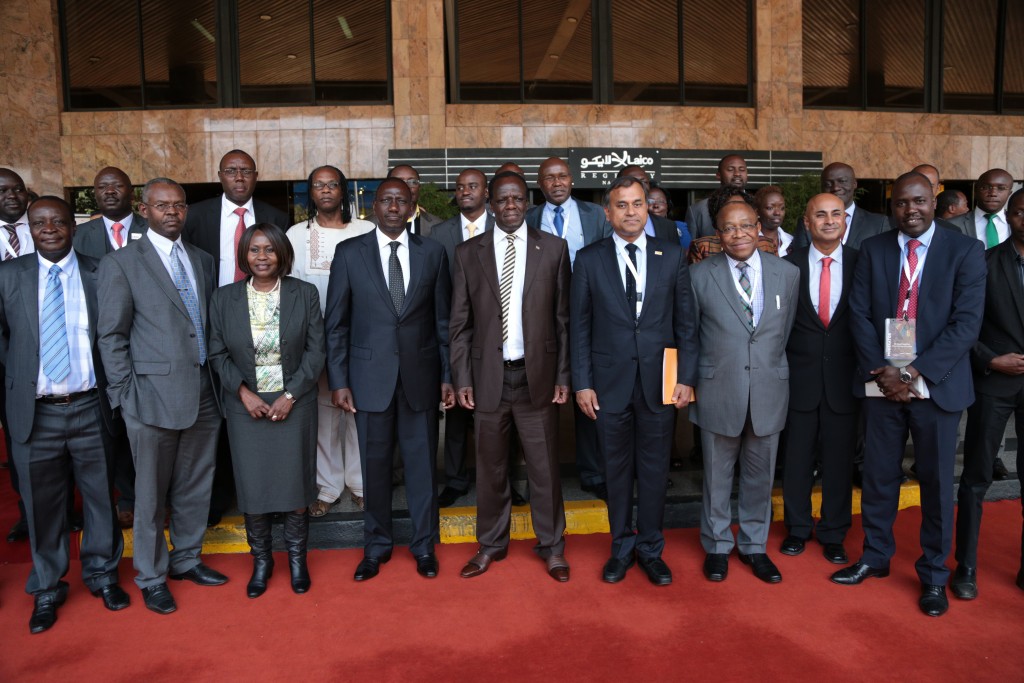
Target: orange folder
{"type": "Point", "coordinates": [669, 377]}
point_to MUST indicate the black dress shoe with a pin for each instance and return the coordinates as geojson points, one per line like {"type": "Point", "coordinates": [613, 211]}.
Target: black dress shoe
{"type": "Point", "coordinates": [834, 553]}
{"type": "Point", "coordinates": [763, 567]}
{"type": "Point", "coordinates": [426, 565]}
{"type": "Point", "coordinates": [615, 569]}
{"type": "Point", "coordinates": [933, 600]}
{"type": "Point", "coordinates": [599, 490]}
{"type": "Point", "coordinates": [1020, 579]}
{"type": "Point", "coordinates": [369, 567]}
{"type": "Point", "coordinates": [858, 478]}
{"type": "Point", "coordinates": [159, 599]}
{"type": "Point", "coordinates": [201, 575]}
{"type": "Point", "coordinates": [716, 566]}
{"type": "Point", "coordinates": [517, 498]}
{"type": "Point", "coordinates": [965, 583]}
{"type": "Point", "coordinates": [657, 571]}
{"type": "Point", "coordinates": [76, 522]}
{"type": "Point", "coordinates": [856, 573]}
{"type": "Point", "coordinates": [18, 532]}
{"type": "Point", "coordinates": [44, 614]}
{"type": "Point", "coordinates": [114, 597]}
{"type": "Point", "coordinates": [448, 496]}
{"type": "Point", "coordinates": [999, 471]}
{"type": "Point", "coordinates": [213, 519]}
{"type": "Point", "coordinates": [793, 545]}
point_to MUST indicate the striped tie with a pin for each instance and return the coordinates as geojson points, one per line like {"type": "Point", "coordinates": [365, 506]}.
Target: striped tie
{"type": "Point", "coordinates": [506, 284]}
{"type": "Point", "coordinates": [188, 297]}
{"type": "Point", "coordinates": [748, 290]}
{"type": "Point", "coordinates": [53, 332]}
{"type": "Point", "coordinates": [12, 239]}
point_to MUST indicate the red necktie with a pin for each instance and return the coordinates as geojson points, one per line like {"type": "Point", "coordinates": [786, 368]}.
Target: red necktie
{"type": "Point", "coordinates": [905, 290]}
{"type": "Point", "coordinates": [239, 229]}
{"type": "Point", "coordinates": [824, 291]}
{"type": "Point", "coordinates": [118, 238]}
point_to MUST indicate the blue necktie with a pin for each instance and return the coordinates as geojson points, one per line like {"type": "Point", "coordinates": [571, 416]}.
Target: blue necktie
{"type": "Point", "coordinates": [559, 221]}
{"type": "Point", "coordinates": [188, 297]}
{"type": "Point", "coordinates": [53, 331]}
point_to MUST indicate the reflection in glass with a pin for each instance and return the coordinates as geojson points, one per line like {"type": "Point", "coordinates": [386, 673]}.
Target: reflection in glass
{"type": "Point", "coordinates": [1013, 68]}
{"type": "Point", "coordinates": [831, 52]}
{"type": "Point", "coordinates": [180, 52]}
{"type": "Point", "coordinates": [715, 63]}
{"type": "Point", "coordinates": [557, 55]}
{"type": "Point", "coordinates": [969, 55]}
{"type": "Point", "coordinates": [350, 50]}
{"type": "Point", "coordinates": [273, 52]}
{"type": "Point", "coordinates": [895, 56]}
{"type": "Point", "coordinates": [488, 51]}
{"type": "Point", "coordinates": [636, 38]}
{"type": "Point", "coordinates": [102, 73]}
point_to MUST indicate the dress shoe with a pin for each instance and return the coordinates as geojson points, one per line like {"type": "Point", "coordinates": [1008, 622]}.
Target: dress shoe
{"type": "Point", "coordinates": [517, 498]}
{"type": "Point", "coordinates": [999, 471]}
{"type": "Point", "coordinates": [965, 583]}
{"type": "Point", "coordinates": [933, 600]}
{"type": "Point", "coordinates": [213, 519]}
{"type": "Point", "coordinates": [1020, 579]}
{"type": "Point", "coordinates": [369, 567]}
{"type": "Point", "coordinates": [856, 573]}
{"type": "Point", "coordinates": [126, 518]}
{"type": "Point", "coordinates": [716, 566]}
{"type": "Point", "coordinates": [44, 614]}
{"type": "Point", "coordinates": [480, 562]}
{"type": "Point", "coordinates": [615, 569]}
{"type": "Point", "coordinates": [793, 545]}
{"type": "Point", "coordinates": [558, 568]}
{"type": "Point", "coordinates": [834, 553]}
{"type": "Point", "coordinates": [201, 575]}
{"type": "Point", "coordinates": [18, 532]}
{"type": "Point", "coordinates": [858, 478]}
{"type": "Point", "coordinates": [426, 565]}
{"type": "Point", "coordinates": [114, 597]}
{"type": "Point", "coordinates": [763, 567]}
{"type": "Point", "coordinates": [599, 490]}
{"type": "Point", "coordinates": [159, 599]}
{"type": "Point", "coordinates": [76, 522]}
{"type": "Point", "coordinates": [448, 496]}
{"type": "Point", "coordinates": [657, 571]}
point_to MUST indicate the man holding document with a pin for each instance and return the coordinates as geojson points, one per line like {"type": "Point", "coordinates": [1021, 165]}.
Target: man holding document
{"type": "Point", "coordinates": [917, 302]}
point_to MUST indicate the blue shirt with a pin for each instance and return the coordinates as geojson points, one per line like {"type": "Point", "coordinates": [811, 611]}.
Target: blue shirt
{"type": "Point", "coordinates": [82, 375]}
{"type": "Point", "coordinates": [572, 226]}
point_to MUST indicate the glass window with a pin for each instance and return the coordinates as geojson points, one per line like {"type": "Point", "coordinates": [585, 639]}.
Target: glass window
{"type": "Point", "coordinates": [275, 65]}
{"type": "Point", "coordinates": [350, 50]}
{"type": "Point", "coordinates": [102, 52]}
{"type": "Point", "coordinates": [716, 48]}
{"type": "Point", "coordinates": [557, 56]}
{"type": "Point", "coordinates": [831, 33]}
{"type": "Point", "coordinates": [645, 50]}
{"type": "Point", "coordinates": [969, 55]}
{"type": "Point", "coordinates": [488, 51]}
{"type": "Point", "coordinates": [894, 59]}
{"type": "Point", "coordinates": [180, 52]}
{"type": "Point", "coordinates": [1013, 68]}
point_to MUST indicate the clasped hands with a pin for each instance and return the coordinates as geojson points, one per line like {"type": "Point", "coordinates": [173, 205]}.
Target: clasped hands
{"type": "Point", "coordinates": [258, 408]}
{"type": "Point", "coordinates": [892, 387]}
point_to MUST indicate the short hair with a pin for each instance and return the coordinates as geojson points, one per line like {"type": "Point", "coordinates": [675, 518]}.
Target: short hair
{"type": "Point", "coordinates": [762, 194]}
{"type": "Point", "coordinates": [668, 199]}
{"type": "Point", "coordinates": [946, 200]}
{"type": "Point", "coordinates": [236, 151]}
{"type": "Point", "coordinates": [623, 181]}
{"type": "Point", "coordinates": [159, 181]}
{"type": "Point", "coordinates": [391, 171]}
{"type": "Point", "coordinates": [912, 175]}
{"type": "Point", "coordinates": [725, 195]}
{"type": "Point", "coordinates": [59, 200]}
{"type": "Point", "coordinates": [501, 176]}
{"type": "Point", "coordinates": [1014, 196]}
{"type": "Point", "coordinates": [346, 208]}
{"type": "Point", "coordinates": [282, 247]}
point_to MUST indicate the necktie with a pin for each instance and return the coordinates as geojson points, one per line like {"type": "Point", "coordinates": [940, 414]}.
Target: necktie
{"type": "Point", "coordinates": [472, 230]}
{"type": "Point", "coordinates": [906, 294]}
{"type": "Point", "coordinates": [53, 332]}
{"type": "Point", "coordinates": [745, 284]}
{"type": "Point", "coordinates": [1020, 267]}
{"type": "Point", "coordinates": [631, 281]}
{"type": "Point", "coordinates": [12, 239]}
{"type": "Point", "coordinates": [188, 297]}
{"type": "Point", "coordinates": [559, 221]}
{"type": "Point", "coordinates": [396, 283]}
{"type": "Point", "coordinates": [239, 229]}
{"type": "Point", "coordinates": [118, 238]}
{"type": "Point", "coordinates": [507, 270]}
{"type": "Point", "coordinates": [991, 234]}
{"type": "Point", "coordinates": [824, 291]}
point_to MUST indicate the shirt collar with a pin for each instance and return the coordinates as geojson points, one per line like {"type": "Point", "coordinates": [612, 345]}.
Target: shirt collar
{"type": "Point", "coordinates": [481, 222]}
{"type": "Point", "coordinates": [850, 209]}
{"type": "Point", "coordinates": [383, 240]}
{"type": "Point", "coordinates": [640, 242]}
{"type": "Point", "coordinates": [836, 256]}
{"type": "Point", "coordinates": [565, 205]}
{"type": "Point", "coordinates": [925, 239]}
{"type": "Point", "coordinates": [979, 215]}
{"type": "Point", "coordinates": [66, 264]}
{"type": "Point", "coordinates": [21, 221]}
{"type": "Point", "coordinates": [754, 261]}
{"type": "Point", "coordinates": [162, 243]}
{"type": "Point", "coordinates": [227, 207]}
{"type": "Point", "coordinates": [519, 233]}
{"type": "Point", "coordinates": [125, 222]}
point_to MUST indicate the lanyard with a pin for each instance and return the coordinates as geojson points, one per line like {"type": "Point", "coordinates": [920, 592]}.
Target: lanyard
{"type": "Point", "coordinates": [911, 279]}
{"type": "Point", "coordinates": [743, 294]}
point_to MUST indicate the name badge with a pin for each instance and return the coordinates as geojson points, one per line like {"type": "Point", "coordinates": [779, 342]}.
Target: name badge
{"type": "Point", "coordinates": [900, 339]}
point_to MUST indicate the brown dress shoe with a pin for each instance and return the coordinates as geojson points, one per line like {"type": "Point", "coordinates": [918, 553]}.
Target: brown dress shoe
{"type": "Point", "coordinates": [558, 568]}
{"type": "Point", "coordinates": [480, 562]}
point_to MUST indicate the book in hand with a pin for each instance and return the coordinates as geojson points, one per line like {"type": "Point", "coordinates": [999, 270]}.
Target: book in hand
{"type": "Point", "coordinates": [670, 377]}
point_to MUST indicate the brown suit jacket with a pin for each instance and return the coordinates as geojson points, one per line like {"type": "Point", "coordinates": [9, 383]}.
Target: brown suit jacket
{"type": "Point", "coordinates": [475, 340]}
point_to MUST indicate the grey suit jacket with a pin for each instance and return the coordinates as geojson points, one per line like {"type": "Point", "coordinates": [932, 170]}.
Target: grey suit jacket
{"type": "Point", "coordinates": [92, 240]}
{"type": "Point", "coordinates": [595, 224]}
{"type": "Point", "coordinates": [738, 367]}
{"type": "Point", "coordinates": [698, 220]}
{"type": "Point", "coordinates": [449, 234]}
{"type": "Point", "coordinates": [963, 223]}
{"type": "Point", "coordinates": [146, 337]}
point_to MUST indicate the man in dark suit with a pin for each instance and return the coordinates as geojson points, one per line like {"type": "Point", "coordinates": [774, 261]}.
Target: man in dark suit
{"type": "Point", "coordinates": [421, 222]}
{"type": "Point", "coordinates": [579, 223]}
{"type": "Point", "coordinates": [839, 179]}
{"type": "Point", "coordinates": [935, 278]}
{"type": "Point", "coordinates": [387, 362]}
{"type": "Point", "coordinates": [662, 228]}
{"type": "Point", "coordinates": [116, 226]}
{"type": "Point", "coordinates": [822, 416]}
{"type": "Point", "coordinates": [155, 294]}
{"type": "Point", "coordinates": [59, 421]}
{"type": "Point", "coordinates": [510, 362]}
{"type": "Point", "coordinates": [631, 299]}
{"type": "Point", "coordinates": [987, 222]}
{"type": "Point", "coordinates": [998, 361]}
{"type": "Point", "coordinates": [732, 172]}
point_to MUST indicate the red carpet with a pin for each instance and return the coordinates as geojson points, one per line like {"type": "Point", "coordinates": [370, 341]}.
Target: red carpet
{"type": "Point", "coordinates": [515, 623]}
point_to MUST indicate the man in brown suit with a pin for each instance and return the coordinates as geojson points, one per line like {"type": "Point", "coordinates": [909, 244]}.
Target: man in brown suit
{"type": "Point", "coordinates": [509, 347]}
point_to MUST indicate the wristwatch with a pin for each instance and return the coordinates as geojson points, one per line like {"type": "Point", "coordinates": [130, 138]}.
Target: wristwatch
{"type": "Point", "coordinates": [288, 395]}
{"type": "Point", "coordinates": [905, 376]}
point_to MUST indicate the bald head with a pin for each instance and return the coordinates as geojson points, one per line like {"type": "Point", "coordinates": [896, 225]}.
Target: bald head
{"type": "Point", "coordinates": [825, 219]}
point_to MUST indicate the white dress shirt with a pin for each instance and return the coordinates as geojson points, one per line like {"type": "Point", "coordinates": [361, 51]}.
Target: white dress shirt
{"type": "Point", "coordinates": [622, 255]}
{"type": "Point", "coordinates": [82, 375]}
{"type": "Point", "coordinates": [981, 225]}
{"type": "Point", "coordinates": [25, 246]}
{"type": "Point", "coordinates": [835, 270]}
{"type": "Point", "coordinates": [163, 250]}
{"type": "Point", "coordinates": [228, 224]}
{"type": "Point", "coordinates": [756, 285]}
{"type": "Point", "coordinates": [384, 247]}
{"type": "Point", "coordinates": [513, 348]}
{"type": "Point", "coordinates": [126, 224]}
{"type": "Point", "coordinates": [480, 223]}
{"type": "Point", "coordinates": [572, 226]}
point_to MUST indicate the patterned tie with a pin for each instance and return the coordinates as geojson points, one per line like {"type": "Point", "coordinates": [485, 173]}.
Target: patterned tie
{"type": "Point", "coordinates": [991, 233]}
{"type": "Point", "coordinates": [118, 237]}
{"type": "Point", "coordinates": [745, 284]}
{"type": "Point", "coordinates": [630, 280]}
{"type": "Point", "coordinates": [559, 220]}
{"type": "Point", "coordinates": [396, 283]}
{"type": "Point", "coordinates": [472, 230]}
{"type": "Point", "coordinates": [12, 239]}
{"type": "Point", "coordinates": [507, 270]}
{"type": "Point", "coordinates": [239, 229]}
{"type": "Point", "coordinates": [905, 290]}
{"type": "Point", "coordinates": [188, 297]}
{"type": "Point", "coordinates": [824, 291]}
{"type": "Point", "coordinates": [53, 332]}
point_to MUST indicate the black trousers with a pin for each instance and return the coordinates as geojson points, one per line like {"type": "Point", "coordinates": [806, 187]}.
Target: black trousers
{"type": "Point", "coordinates": [456, 425]}
{"type": "Point", "coordinates": [589, 460]}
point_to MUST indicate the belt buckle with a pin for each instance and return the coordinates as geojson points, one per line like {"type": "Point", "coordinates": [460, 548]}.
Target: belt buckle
{"type": "Point", "coordinates": [64, 400]}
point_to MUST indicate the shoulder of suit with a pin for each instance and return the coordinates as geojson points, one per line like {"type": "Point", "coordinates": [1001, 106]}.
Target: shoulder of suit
{"type": "Point", "coordinates": [799, 255]}
{"type": "Point", "coordinates": [87, 262]}
{"type": "Point", "coordinates": [586, 206]}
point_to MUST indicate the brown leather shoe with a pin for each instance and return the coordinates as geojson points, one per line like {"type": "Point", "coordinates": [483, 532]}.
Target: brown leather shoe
{"type": "Point", "coordinates": [558, 568]}
{"type": "Point", "coordinates": [126, 518]}
{"type": "Point", "coordinates": [480, 562]}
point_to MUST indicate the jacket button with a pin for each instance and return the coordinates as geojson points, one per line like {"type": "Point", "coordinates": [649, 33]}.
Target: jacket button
{"type": "Point", "coordinates": [192, 334]}
{"type": "Point", "coordinates": [746, 367]}
{"type": "Point", "coordinates": [195, 365]}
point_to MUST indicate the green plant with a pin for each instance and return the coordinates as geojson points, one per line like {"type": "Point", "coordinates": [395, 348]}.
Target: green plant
{"type": "Point", "coordinates": [437, 201]}
{"type": "Point", "coordinates": [797, 193]}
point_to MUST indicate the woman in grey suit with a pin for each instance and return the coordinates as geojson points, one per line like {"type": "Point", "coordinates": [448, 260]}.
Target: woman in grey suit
{"type": "Point", "coordinates": [267, 347]}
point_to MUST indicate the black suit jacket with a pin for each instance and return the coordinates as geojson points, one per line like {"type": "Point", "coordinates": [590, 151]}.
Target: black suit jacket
{"type": "Point", "coordinates": [1002, 328]}
{"type": "Point", "coordinates": [822, 362]}
{"type": "Point", "coordinates": [865, 224]}
{"type": "Point", "coordinates": [202, 225]}
{"type": "Point", "coordinates": [449, 234]}
{"type": "Point", "coordinates": [92, 240]}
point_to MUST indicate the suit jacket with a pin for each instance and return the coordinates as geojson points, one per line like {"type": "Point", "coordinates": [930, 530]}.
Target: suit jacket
{"type": "Point", "coordinates": [146, 336]}
{"type": "Point", "coordinates": [19, 340]}
{"type": "Point", "coordinates": [1002, 327]}
{"type": "Point", "coordinates": [476, 344]}
{"type": "Point", "coordinates": [301, 331]}
{"type": "Point", "coordinates": [865, 224]}
{"type": "Point", "coordinates": [735, 372]}
{"type": "Point", "coordinates": [425, 226]}
{"type": "Point", "coordinates": [698, 220]}
{"type": "Point", "coordinates": [610, 345]}
{"type": "Point", "coordinates": [950, 302]}
{"type": "Point", "coordinates": [365, 337]}
{"type": "Point", "coordinates": [92, 240]}
{"type": "Point", "coordinates": [964, 224]}
{"type": "Point", "coordinates": [449, 234]}
{"type": "Point", "coordinates": [202, 225]}
{"type": "Point", "coordinates": [592, 219]}
{"type": "Point", "coordinates": [822, 361]}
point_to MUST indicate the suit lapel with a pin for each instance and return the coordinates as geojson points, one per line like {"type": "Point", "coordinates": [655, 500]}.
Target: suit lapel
{"type": "Point", "coordinates": [289, 300]}
{"type": "Point", "coordinates": [533, 254]}
{"type": "Point", "coordinates": [655, 261]}
{"type": "Point", "coordinates": [614, 278]}
{"type": "Point", "coordinates": [485, 254]}
{"type": "Point", "coordinates": [29, 288]}
{"type": "Point", "coordinates": [151, 262]}
{"type": "Point", "coordinates": [1011, 271]}
{"type": "Point", "coordinates": [240, 312]}
{"type": "Point", "coordinates": [416, 257]}
{"type": "Point", "coordinates": [844, 297]}
{"type": "Point", "coordinates": [802, 263]}
{"type": "Point", "coordinates": [723, 278]}
{"type": "Point", "coordinates": [87, 272]}
{"type": "Point", "coordinates": [371, 257]}
{"type": "Point", "coordinates": [770, 287]}
{"type": "Point", "coordinates": [891, 269]}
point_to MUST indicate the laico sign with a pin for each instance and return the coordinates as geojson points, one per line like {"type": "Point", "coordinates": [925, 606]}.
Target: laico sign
{"type": "Point", "coordinates": [599, 166]}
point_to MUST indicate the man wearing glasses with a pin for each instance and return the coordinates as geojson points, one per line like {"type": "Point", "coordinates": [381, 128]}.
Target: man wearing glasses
{"type": "Point", "coordinates": [420, 221]}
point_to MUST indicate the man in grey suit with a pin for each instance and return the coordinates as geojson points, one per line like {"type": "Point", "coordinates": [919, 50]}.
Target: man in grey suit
{"type": "Point", "coordinates": [746, 303]}
{"type": "Point", "coordinates": [155, 295]}
{"type": "Point", "coordinates": [839, 179]}
{"type": "Point", "coordinates": [58, 420]}
{"type": "Point", "coordinates": [732, 172]}
{"type": "Point", "coordinates": [987, 222]}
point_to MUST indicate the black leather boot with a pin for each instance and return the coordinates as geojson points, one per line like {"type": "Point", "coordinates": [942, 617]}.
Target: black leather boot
{"type": "Point", "coordinates": [257, 532]}
{"type": "Point", "coordinates": [296, 532]}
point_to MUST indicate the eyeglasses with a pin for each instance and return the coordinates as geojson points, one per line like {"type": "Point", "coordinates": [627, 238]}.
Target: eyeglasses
{"type": "Point", "coordinates": [232, 172]}
{"type": "Point", "coordinates": [734, 229]}
{"type": "Point", "coordinates": [388, 201]}
{"type": "Point", "coordinates": [163, 207]}
{"type": "Point", "coordinates": [411, 182]}
{"type": "Point", "coordinates": [334, 185]}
